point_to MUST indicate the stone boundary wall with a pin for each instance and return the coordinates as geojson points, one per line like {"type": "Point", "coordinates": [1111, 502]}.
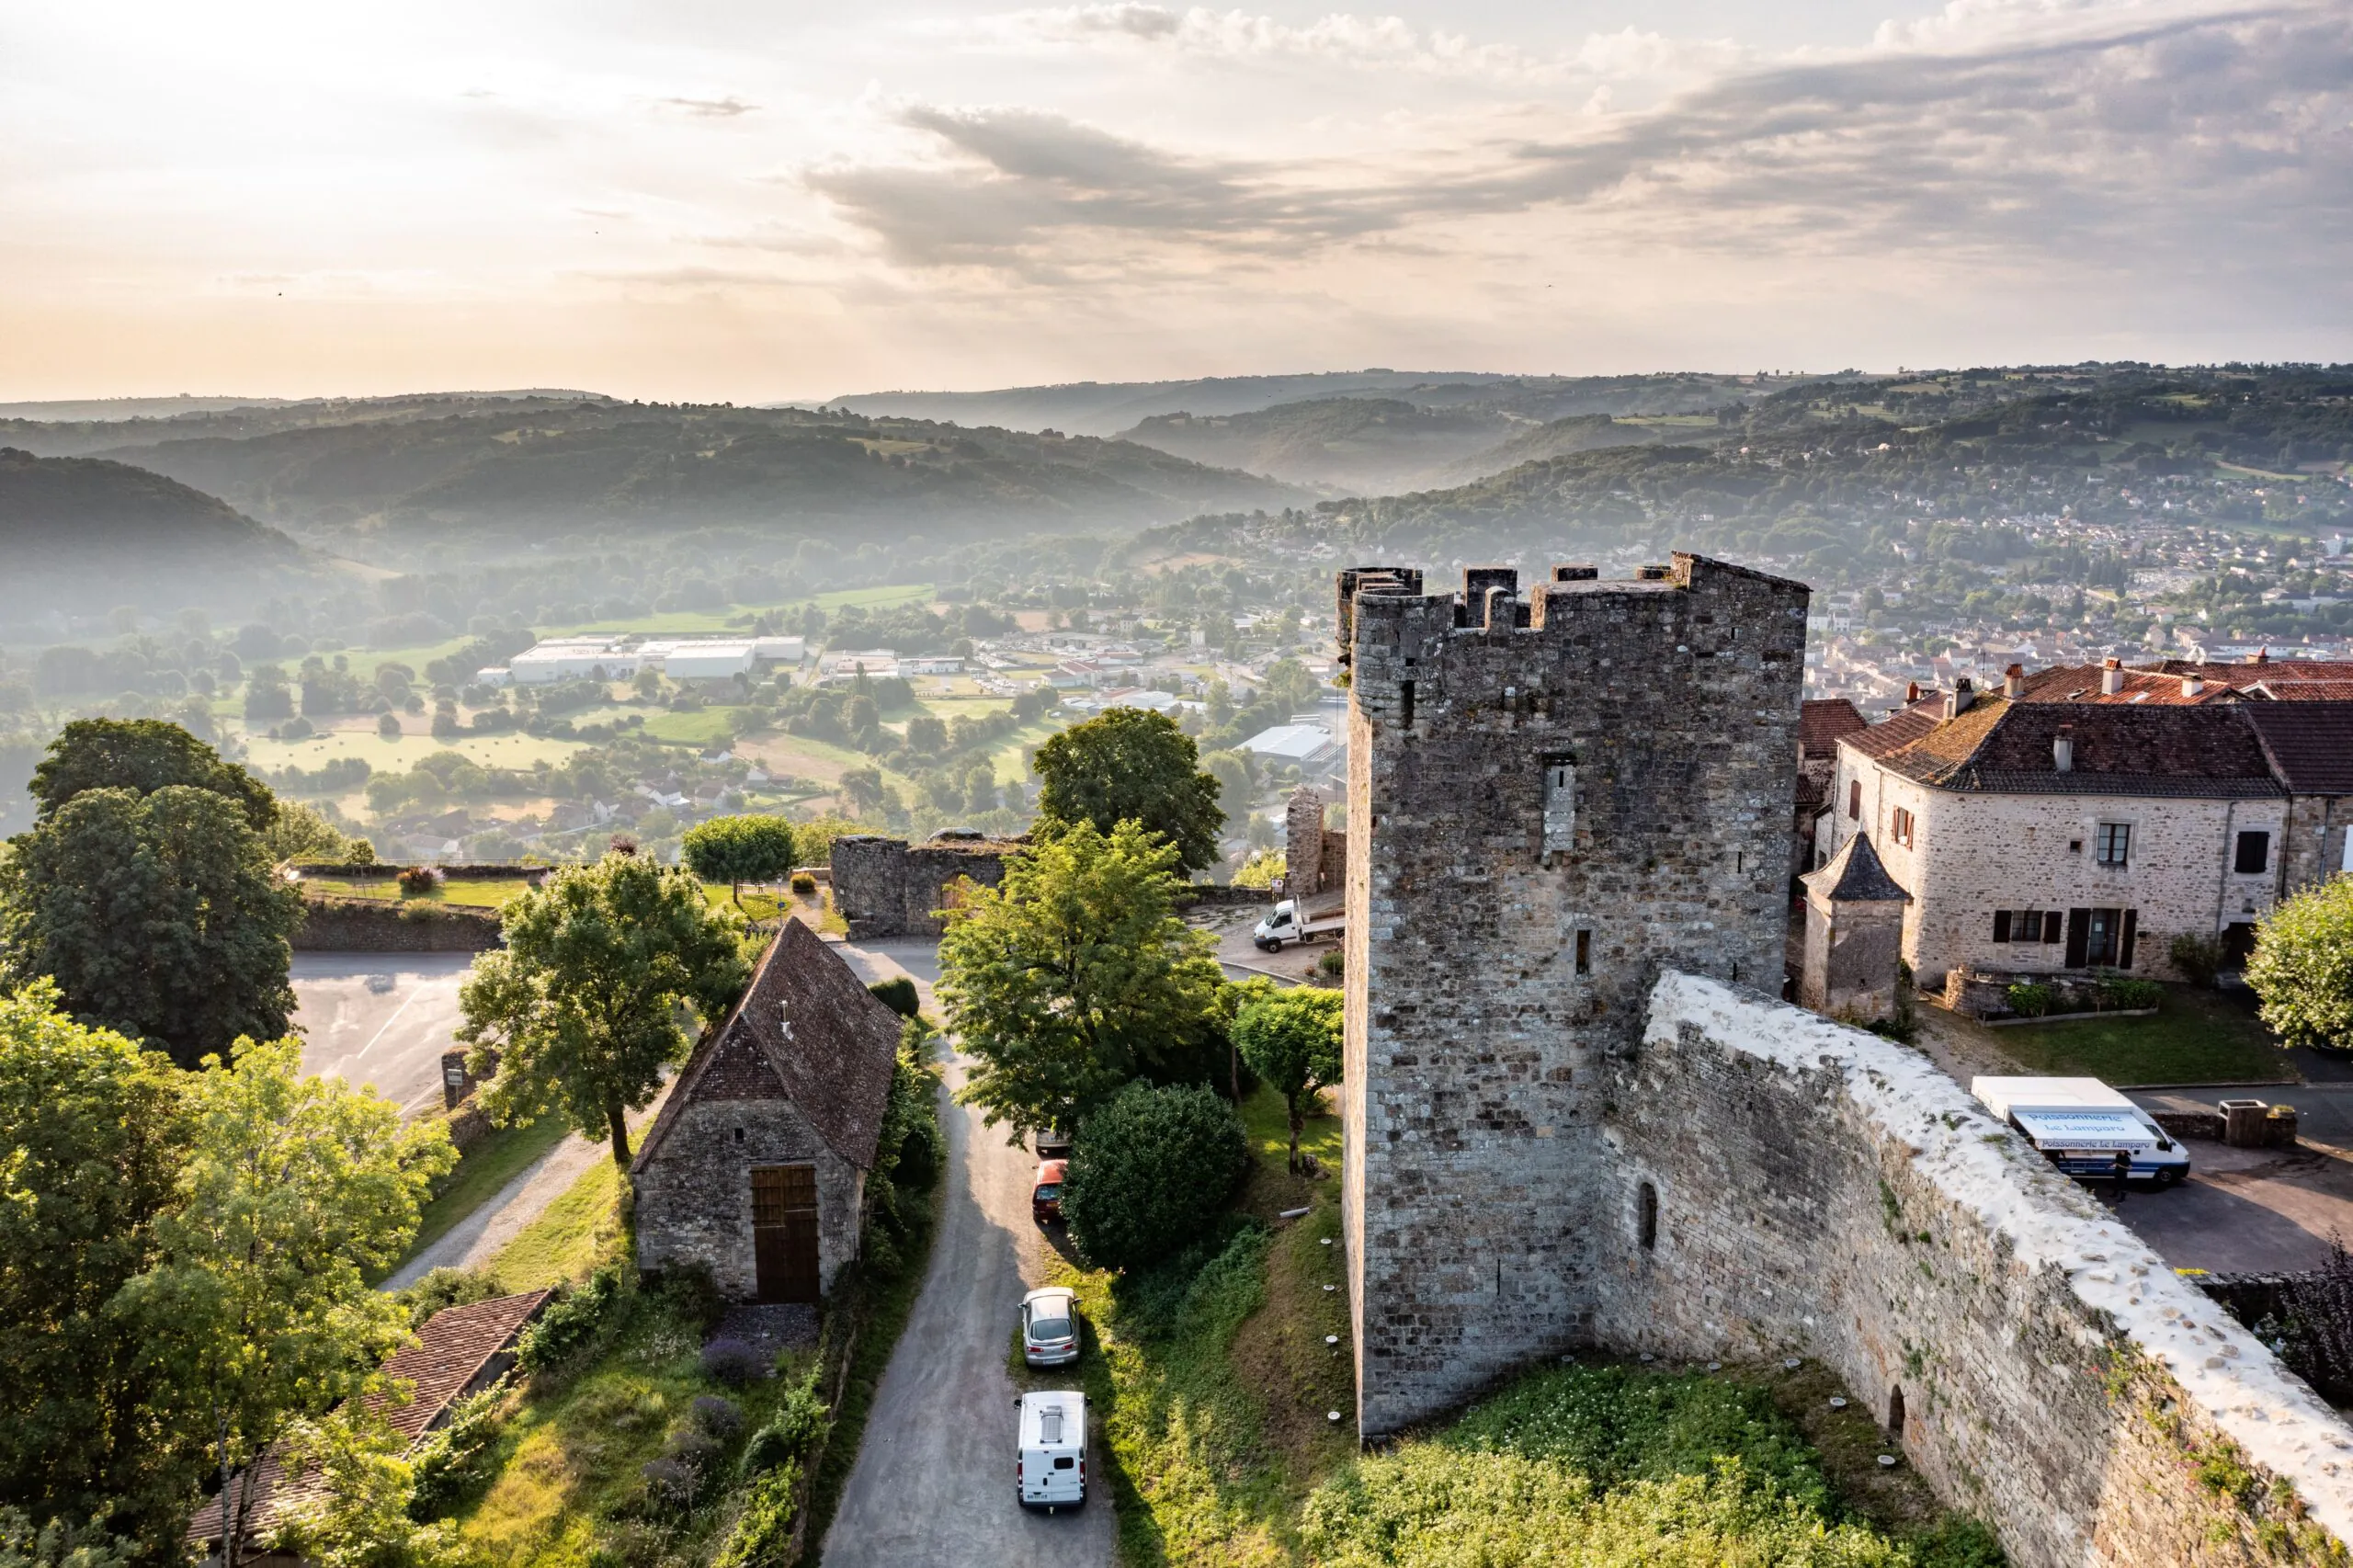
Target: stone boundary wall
{"type": "Point", "coordinates": [1821, 1192]}
{"type": "Point", "coordinates": [1212, 895]}
{"type": "Point", "coordinates": [383, 926]}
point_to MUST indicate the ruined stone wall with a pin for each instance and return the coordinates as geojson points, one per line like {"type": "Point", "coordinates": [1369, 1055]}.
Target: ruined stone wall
{"type": "Point", "coordinates": [1821, 1192]}
{"type": "Point", "coordinates": [1549, 803]}
{"type": "Point", "coordinates": [884, 888]}
{"type": "Point", "coordinates": [1316, 858]}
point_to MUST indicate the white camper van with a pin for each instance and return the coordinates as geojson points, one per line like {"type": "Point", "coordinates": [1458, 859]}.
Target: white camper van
{"type": "Point", "coordinates": [1050, 1470]}
{"type": "Point", "coordinates": [2080, 1125]}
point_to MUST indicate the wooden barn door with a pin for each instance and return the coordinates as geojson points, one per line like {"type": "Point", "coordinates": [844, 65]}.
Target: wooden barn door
{"type": "Point", "coordinates": [784, 1231]}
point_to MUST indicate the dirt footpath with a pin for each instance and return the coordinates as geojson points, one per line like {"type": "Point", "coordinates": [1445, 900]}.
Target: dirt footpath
{"type": "Point", "coordinates": [934, 1479]}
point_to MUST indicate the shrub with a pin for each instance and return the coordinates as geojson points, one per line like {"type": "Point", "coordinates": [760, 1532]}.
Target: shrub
{"type": "Point", "coordinates": [1150, 1171]}
{"type": "Point", "coordinates": [2118, 992]}
{"type": "Point", "coordinates": [898, 993]}
{"type": "Point", "coordinates": [60, 1544]}
{"type": "Point", "coordinates": [764, 1529]}
{"type": "Point", "coordinates": [416, 879]}
{"type": "Point", "coordinates": [792, 1433]}
{"type": "Point", "coordinates": [570, 1325]}
{"type": "Point", "coordinates": [693, 1294]}
{"type": "Point", "coordinates": [454, 1458]}
{"type": "Point", "coordinates": [447, 1288]}
{"type": "Point", "coordinates": [2028, 1000]}
{"type": "Point", "coordinates": [671, 1483]}
{"type": "Point", "coordinates": [733, 1362]}
{"type": "Point", "coordinates": [804, 884]}
{"type": "Point", "coordinates": [2303, 967]}
{"type": "Point", "coordinates": [1333, 966]}
{"type": "Point", "coordinates": [720, 1416]}
{"type": "Point", "coordinates": [2198, 958]}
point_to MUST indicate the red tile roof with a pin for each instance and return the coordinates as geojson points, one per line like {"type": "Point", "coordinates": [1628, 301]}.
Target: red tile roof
{"type": "Point", "coordinates": [1822, 720]}
{"type": "Point", "coordinates": [2006, 747]}
{"type": "Point", "coordinates": [441, 1364]}
{"type": "Point", "coordinates": [2310, 744]}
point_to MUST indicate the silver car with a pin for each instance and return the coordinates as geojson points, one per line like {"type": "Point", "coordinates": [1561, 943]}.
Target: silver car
{"type": "Point", "coordinates": [1049, 1328]}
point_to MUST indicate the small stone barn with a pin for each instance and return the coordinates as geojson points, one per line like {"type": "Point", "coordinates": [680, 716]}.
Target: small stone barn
{"type": "Point", "coordinates": [756, 1169]}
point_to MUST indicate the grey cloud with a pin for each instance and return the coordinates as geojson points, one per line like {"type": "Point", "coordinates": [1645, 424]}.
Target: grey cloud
{"type": "Point", "coordinates": [2185, 137]}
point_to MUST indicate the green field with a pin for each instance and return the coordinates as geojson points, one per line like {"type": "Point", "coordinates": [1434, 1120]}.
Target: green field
{"type": "Point", "coordinates": [2197, 1036]}
{"type": "Point", "coordinates": [511, 749]}
{"type": "Point", "coordinates": [737, 617]}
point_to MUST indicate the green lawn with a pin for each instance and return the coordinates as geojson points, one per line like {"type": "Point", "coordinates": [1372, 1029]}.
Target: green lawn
{"type": "Point", "coordinates": [481, 1173]}
{"type": "Point", "coordinates": [486, 893]}
{"type": "Point", "coordinates": [2197, 1036]}
{"type": "Point", "coordinates": [575, 1232]}
{"type": "Point", "coordinates": [704, 727]}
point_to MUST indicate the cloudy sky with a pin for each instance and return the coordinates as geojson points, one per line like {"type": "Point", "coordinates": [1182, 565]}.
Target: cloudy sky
{"type": "Point", "coordinates": [721, 200]}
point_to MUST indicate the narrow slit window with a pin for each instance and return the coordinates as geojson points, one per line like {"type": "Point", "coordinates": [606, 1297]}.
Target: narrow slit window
{"type": "Point", "coordinates": [1404, 705]}
{"type": "Point", "coordinates": [1895, 1413]}
{"type": "Point", "coordinates": [1585, 952]}
{"type": "Point", "coordinates": [1646, 1216]}
{"type": "Point", "coordinates": [1560, 804]}
{"type": "Point", "coordinates": [1854, 800]}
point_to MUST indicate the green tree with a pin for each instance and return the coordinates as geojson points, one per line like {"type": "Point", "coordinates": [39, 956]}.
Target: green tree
{"type": "Point", "coordinates": [1073, 976]}
{"type": "Point", "coordinates": [1292, 1038]}
{"type": "Point", "coordinates": [1131, 765]}
{"type": "Point", "coordinates": [862, 790]}
{"type": "Point", "coordinates": [1150, 1171]}
{"type": "Point", "coordinates": [583, 1005]}
{"type": "Point", "coordinates": [142, 756]}
{"type": "Point", "coordinates": [304, 833]}
{"type": "Point", "coordinates": [739, 850]}
{"type": "Point", "coordinates": [1232, 771]}
{"type": "Point", "coordinates": [295, 1190]}
{"type": "Point", "coordinates": [356, 1513]}
{"type": "Point", "coordinates": [157, 915]}
{"type": "Point", "coordinates": [91, 1143]}
{"type": "Point", "coordinates": [2303, 967]}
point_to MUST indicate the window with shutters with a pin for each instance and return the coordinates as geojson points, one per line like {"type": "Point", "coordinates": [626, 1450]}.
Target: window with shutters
{"type": "Point", "coordinates": [1900, 827]}
{"type": "Point", "coordinates": [2253, 854]}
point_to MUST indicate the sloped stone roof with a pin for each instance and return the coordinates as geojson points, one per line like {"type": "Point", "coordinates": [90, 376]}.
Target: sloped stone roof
{"type": "Point", "coordinates": [829, 1041]}
{"type": "Point", "coordinates": [2310, 744]}
{"type": "Point", "coordinates": [1856, 875]}
{"type": "Point", "coordinates": [1998, 746]}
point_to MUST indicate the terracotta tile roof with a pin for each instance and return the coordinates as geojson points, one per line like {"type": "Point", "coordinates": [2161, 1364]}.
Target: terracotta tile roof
{"type": "Point", "coordinates": [2245, 674]}
{"type": "Point", "coordinates": [1898, 730]}
{"type": "Point", "coordinates": [442, 1363]}
{"type": "Point", "coordinates": [1823, 720]}
{"type": "Point", "coordinates": [831, 1043]}
{"type": "Point", "coordinates": [2305, 690]}
{"type": "Point", "coordinates": [2006, 747]}
{"type": "Point", "coordinates": [2310, 744]}
{"type": "Point", "coordinates": [2081, 683]}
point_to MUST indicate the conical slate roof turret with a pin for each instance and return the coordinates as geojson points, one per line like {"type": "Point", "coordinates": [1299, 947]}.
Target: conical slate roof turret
{"type": "Point", "coordinates": [1854, 875]}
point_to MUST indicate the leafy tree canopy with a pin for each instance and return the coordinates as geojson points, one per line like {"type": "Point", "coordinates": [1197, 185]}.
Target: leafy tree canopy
{"type": "Point", "coordinates": [142, 756]}
{"type": "Point", "coordinates": [739, 850]}
{"type": "Point", "coordinates": [1131, 765]}
{"type": "Point", "coordinates": [1292, 1038]}
{"type": "Point", "coordinates": [157, 914]}
{"type": "Point", "coordinates": [91, 1140]}
{"type": "Point", "coordinates": [1150, 1171]}
{"type": "Point", "coordinates": [1073, 976]}
{"type": "Point", "coordinates": [583, 1005]}
{"type": "Point", "coordinates": [2303, 967]}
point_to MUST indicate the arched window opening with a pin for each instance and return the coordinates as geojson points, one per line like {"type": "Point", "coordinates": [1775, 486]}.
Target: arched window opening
{"type": "Point", "coordinates": [1895, 1414]}
{"type": "Point", "coordinates": [1646, 1216]}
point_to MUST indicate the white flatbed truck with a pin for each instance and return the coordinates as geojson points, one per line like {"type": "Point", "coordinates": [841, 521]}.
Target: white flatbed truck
{"type": "Point", "coordinates": [2080, 1125]}
{"type": "Point", "coordinates": [1289, 923]}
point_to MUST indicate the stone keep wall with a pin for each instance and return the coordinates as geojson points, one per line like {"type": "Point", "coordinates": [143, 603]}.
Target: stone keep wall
{"type": "Point", "coordinates": [1548, 802]}
{"type": "Point", "coordinates": [1972, 854]}
{"type": "Point", "coordinates": [1821, 1192]}
{"type": "Point", "coordinates": [884, 888]}
{"type": "Point", "coordinates": [1316, 858]}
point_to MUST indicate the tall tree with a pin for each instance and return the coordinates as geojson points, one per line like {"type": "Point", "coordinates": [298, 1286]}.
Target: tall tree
{"type": "Point", "coordinates": [1292, 1038]}
{"type": "Point", "coordinates": [143, 755]}
{"type": "Point", "coordinates": [739, 850]}
{"type": "Point", "coordinates": [1131, 765]}
{"type": "Point", "coordinates": [91, 1143]}
{"type": "Point", "coordinates": [258, 1309]}
{"type": "Point", "coordinates": [157, 914]}
{"type": "Point", "coordinates": [2303, 967]}
{"type": "Point", "coordinates": [1073, 976]}
{"type": "Point", "coordinates": [583, 1005]}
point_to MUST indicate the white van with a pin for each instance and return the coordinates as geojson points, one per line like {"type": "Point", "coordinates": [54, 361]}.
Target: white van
{"type": "Point", "coordinates": [1050, 1470]}
{"type": "Point", "coordinates": [2080, 1125]}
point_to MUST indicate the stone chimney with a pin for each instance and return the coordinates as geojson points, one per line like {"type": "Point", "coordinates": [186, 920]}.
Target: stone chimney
{"type": "Point", "coordinates": [2260, 657]}
{"type": "Point", "coordinates": [1911, 692]}
{"type": "Point", "coordinates": [1961, 698]}
{"type": "Point", "coordinates": [2062, 749]}
{"type": "Point", "coordinates": [2192, 685]}
{"type": "Point", "coordinates": [2111, 676]}
{"type": "Point", "coordinates": [2014, 682]}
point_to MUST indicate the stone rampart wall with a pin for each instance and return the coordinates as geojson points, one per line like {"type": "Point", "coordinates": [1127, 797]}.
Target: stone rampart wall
{"type": "Point", "coordinates": [386, 925]}
{"type": "Point", "coordinates": [1822, 1192]}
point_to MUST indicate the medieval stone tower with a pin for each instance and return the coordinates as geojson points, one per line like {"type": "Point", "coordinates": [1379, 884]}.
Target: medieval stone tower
{"type": "Point", "coordinates": [1551, 797]}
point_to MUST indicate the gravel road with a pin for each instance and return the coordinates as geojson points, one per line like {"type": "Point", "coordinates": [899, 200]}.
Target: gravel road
{"type": "Point", "coordinates": [934, 1479]}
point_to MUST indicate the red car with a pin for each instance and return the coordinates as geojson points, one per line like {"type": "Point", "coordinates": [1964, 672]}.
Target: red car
{"type": "Point", "coordinates": [1046, 1191]}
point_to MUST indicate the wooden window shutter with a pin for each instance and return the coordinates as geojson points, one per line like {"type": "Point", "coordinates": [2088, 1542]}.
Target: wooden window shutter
{"type": "Point", "coordinates": [2124, 947]}
{"type": "Point", "coordinates": [2079, 936]}
{"type": "Point", "coordinates": [2001, 925]}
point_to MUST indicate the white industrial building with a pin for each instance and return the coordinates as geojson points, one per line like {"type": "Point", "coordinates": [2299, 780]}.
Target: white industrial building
{"type": "Point", "coordinates": [619, 656]}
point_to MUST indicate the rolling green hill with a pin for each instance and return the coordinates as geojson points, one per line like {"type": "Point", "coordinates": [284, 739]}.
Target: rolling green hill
{"type": "Point", "coordinates": [1355, 443]}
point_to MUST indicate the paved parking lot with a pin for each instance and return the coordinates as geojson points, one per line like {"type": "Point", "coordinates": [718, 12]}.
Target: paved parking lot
{"type": "Point", "coordinates": [380, 1018]}
{"type": "Point", "coordinates": [2255, 1211]}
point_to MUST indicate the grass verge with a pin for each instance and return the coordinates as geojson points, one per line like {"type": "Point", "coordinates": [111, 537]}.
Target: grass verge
{"type": "Point", "coordinates": [481, 1173]}
{"type": "Point", "coordinates": [570, 1238]}
{"type": "Point", "coordinates": [2197, 1036]}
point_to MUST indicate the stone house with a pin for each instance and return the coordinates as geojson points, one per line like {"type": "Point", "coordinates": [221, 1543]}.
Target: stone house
{"type": "Point", "coordinates": [2043, 836]}
{"type": "Point", "coordinates": [884, 887]}
{"type": "Point", "coordinates": [756, 1168]}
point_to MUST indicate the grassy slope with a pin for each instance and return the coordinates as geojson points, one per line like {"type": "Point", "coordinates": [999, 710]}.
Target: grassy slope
{"type": "Point", "coordinates": [481, 1172]}
{"type": "Point", "coordinates": [2198, 1036]}
{"type": "Point", "coordinates": [570, 1238]}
